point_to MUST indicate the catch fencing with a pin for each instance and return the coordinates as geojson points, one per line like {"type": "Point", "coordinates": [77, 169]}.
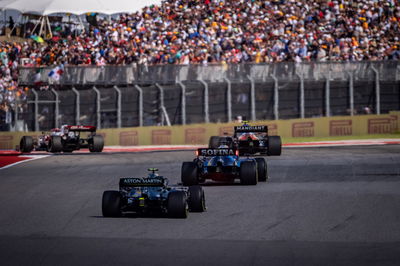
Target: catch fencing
{"type": "Point", "coordinates": [137, 95]}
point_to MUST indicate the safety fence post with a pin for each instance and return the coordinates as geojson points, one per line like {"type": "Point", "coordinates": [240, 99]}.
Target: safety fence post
{"type": "Point", "coordinates": [183, 101]}
{"type": "Point", "coordinates": [229, 99]}
{"type": "Point", "coordinates": [252, 98]}
{"type": "Point", "coordinates": [327, 95]}
{"type": "Point", "coordinates": [164, 113]}
{"type": "Point", "coordinates": [276, 97]}
{"type": "Point", "coordinates": [98, 107]}
{"type": "Point", "coordinates": [57, 112]}
{"type": "Point", "coordinates": [206, 107]}
{"type": "Point", "coordinates": [377, 91]}
{"type": "Point", "coordinates": [140, 104]}
{"type": "Point", "coordinates": [15, 117]}
{"type": "Point", "coordinates": [78, 106]}
{"type": "Point", "coordinates": [36, 102]}
{"type": "Point", "coordinates": [119, 106]}
{"type": "Point", "coordinates": [351, 93]}
{"type": "Point", "coordinates": [302, 113]}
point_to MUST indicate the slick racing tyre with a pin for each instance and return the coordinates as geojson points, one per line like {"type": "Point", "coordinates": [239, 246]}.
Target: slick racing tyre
{"type": "Point", "coordinates": [55, 144]}
{"type": "Point", "coordinates": [177, 206]}
{"type": "Point", "coordinates": [26, 144]}
{"type": "Point", "coordinates": [189, 174]}
{"type": "Point", "coordinates": [96, 144]}
{"type": "Point", "coordinates": [197, 200]}
{"type": "Point", "coordinates": [274, 146]}
{"type": "Point", "coordinates": [262, 169]}
{"type": "Point", "coordinates": [248, 173]}
{"type": "Point", "coordinates": [111, 204]}
{"type": "Point", "coordinates": [214, 142]}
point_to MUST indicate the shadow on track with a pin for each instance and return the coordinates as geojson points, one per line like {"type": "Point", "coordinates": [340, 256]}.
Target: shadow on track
{"type": "Point", "coordinates": [220, 184]}
{"type": "Point", "coordinates": [135, 215]}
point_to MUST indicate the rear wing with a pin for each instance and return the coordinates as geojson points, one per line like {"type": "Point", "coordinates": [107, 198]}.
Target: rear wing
{"type": "Point", "coordinates": [216, 152]}
{"type": "Point", "coordinates": [141, 182]}
{"type": "Point", "coordinates": [81, 128]}
{"type": "Point", "coordinates": [251, 129]}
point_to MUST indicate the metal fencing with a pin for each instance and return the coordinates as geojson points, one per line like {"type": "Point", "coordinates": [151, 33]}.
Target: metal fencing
{"type": "Point", "coordinates": [130, 96]}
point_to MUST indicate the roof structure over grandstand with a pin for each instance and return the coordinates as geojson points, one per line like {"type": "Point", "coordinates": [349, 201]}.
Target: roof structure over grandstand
{"type": "Point", "coordinates": [77, 7]}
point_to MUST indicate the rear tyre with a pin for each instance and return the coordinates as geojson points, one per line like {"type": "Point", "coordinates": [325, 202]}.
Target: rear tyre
{"type": "Point", "coordinates": [26, 144]}
{"type": "Point", "coordinates": [248, 173]}
{"type": "Point", "coordinates": [262, 169]}
{"type": "Point", "coordinates": [274, 146]}
{"type": "Point", "coordinates": [96, 144]}
{"type": "Point", "coordinates": [197, 200]}
{"type": "Point", "coordinates": [111, 204]}
{"type": "Point", "coordinates": [189, 174]}
{"type": "Point", "coordinates": [55, 144]}
{"type": "Point", "coordinates": [177, 204]}
{"type": "Point", "coordinates": [214, 142]}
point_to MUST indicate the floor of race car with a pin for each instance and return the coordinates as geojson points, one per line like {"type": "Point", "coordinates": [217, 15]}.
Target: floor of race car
{"type": "Point", "coordinates": [321, 206]}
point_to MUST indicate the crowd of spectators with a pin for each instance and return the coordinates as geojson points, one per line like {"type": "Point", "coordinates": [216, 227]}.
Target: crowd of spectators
{"type": "Point", "coordinates": [216, 31]}
{"type": "Point", "coordinates": [12, 96]}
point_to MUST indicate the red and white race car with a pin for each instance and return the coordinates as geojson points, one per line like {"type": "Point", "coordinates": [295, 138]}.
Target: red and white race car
{"type": "Point", "coordinates": [65, 139]}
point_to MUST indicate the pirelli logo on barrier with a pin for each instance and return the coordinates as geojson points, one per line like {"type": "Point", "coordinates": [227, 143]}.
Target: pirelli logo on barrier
{"type": "Point", "coordinates": [303, 129]}
{"type": "Point", "coordinates": [340, 128]}
{"type": "Point", "coordinates": [130, 138]}
{"type": "Point", "coordinates": [161, 137]}
{"type": "Point", "coordinates": [6, 142]}
{"type": "Point", "coordinates": [382, 125]}
{"type": "Point", "coordinates": [195, 136]}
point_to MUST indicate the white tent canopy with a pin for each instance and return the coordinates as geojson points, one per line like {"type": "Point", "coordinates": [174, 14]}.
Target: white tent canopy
{"type": "Point", "coordinates": [76, 7]}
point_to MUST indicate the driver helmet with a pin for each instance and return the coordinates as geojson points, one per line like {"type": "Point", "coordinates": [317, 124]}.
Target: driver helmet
{"type": "Point", "coordinates": [223, 144]}
{"type": "Point", "coordinates": [64, 129]}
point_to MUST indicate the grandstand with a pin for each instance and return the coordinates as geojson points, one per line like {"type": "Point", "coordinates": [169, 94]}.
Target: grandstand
{"type": "Point", "coordinates": [206, 33]}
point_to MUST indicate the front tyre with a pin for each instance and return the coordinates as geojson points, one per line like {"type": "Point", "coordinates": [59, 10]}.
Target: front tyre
{"type": "Point", "coordinates": [248, 173]}
{"type": "Point", "coordinates": [111, 204]}
{"type": "Point", "coordinates": [177, 206]}
{"type": "Point", "coordinates": [189, 174]}
{"type": "Point", "coordinates": [96, 144]}
{"type": "Point", "coordinates": [262, 169]}
{"type": "Point", "coordinates": [197, 200]}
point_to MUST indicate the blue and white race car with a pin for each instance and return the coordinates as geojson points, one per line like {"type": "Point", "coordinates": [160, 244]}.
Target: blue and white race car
{"type": "Point", "coordinates": [223, 164]}
{"type": "Point", "coordinates": [152, 194]}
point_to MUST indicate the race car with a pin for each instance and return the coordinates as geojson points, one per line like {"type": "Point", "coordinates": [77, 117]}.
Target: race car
{"type": "Point", "coordinates": [152, 194]}
{"type": "Point", "coordinates": [250, 140]}
{"type": "Point", "coordinates": [66, 139]}
{"type": "Point", "coordinates": [255, 139]}
{"type": "Point", "coordinates": [223, 164]}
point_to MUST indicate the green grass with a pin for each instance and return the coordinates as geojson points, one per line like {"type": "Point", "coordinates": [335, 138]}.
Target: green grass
{"type": "Point", "coordinates": [361, 137]}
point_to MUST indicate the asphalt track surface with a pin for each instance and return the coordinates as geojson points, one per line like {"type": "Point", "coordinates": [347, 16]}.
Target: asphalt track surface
{"type": "Point", "coordinates": [321, 206]}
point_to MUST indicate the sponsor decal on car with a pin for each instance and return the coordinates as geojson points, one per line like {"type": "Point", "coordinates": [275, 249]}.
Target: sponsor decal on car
{"type": "Point", "coordinates": [141, 181]}
{"type": "Point", "coordinates": [216, 152]}
{"type": "Point", "coordinates": [251, 129]}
